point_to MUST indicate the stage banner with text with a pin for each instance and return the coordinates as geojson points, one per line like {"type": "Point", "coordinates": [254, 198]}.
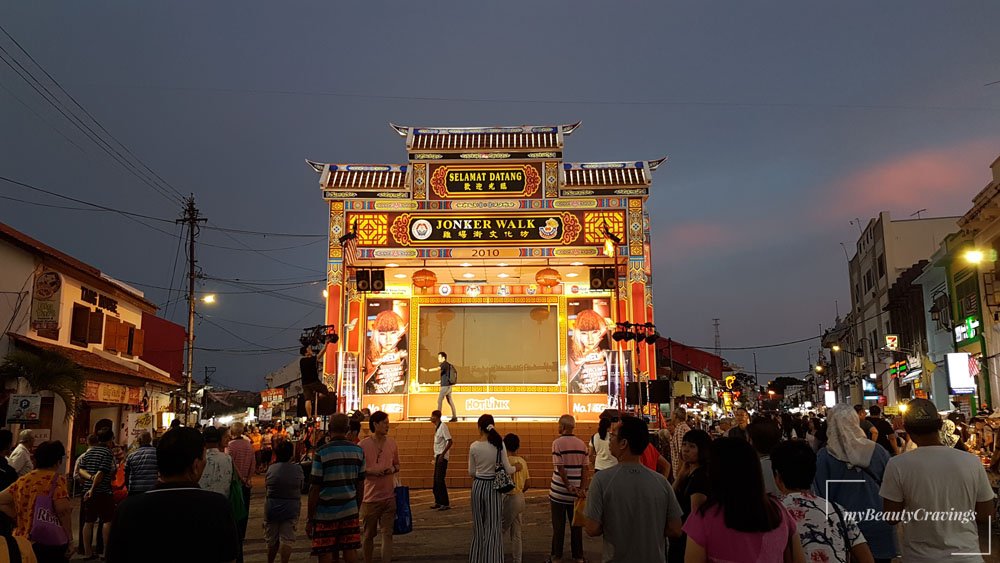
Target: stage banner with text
{"type": "Point", "coordinates": [486, 228]}
{"type": "Point", "coordinates": [502, 405]}
{"type": "Point", "coordinates": [392, 405]}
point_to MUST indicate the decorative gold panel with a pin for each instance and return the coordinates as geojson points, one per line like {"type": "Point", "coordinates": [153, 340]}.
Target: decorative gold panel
{"type": "Point", "coordinates": [594, 223]}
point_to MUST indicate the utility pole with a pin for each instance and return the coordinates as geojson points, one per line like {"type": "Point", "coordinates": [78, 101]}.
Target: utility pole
{"type": "Point", "coordinates": [191, 218]}
{"type": "Point", "coordinates": [718, 340]}
{"type": "Point", "coordinates": [209, 370]}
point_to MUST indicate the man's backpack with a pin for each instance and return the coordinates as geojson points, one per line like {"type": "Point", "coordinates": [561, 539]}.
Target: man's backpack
{"type": "Point", "coordinates": [452, 375]}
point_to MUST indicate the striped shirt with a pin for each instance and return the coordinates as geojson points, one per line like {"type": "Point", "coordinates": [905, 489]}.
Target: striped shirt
{"type": "Point", "coordinates": [98, 459]}
{"type": "Point", "coordinates": [336, 468]}
{"type": "Point", "coordinates": [571, 453]}
{"type": "Point", "coordinates": [241, 450]}
{"type": "Point", "coordinates": [141, 470]}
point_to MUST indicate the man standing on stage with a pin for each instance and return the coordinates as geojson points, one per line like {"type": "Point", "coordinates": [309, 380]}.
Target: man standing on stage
{"type": "Point", "coordinates": [448, 380]}
{"type": "Point", "coordinates": [442, 444]}
{"type": "Point", "coordinates": [312, 386]}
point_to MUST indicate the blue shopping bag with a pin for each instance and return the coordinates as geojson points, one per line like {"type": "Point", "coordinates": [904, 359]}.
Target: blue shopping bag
{"type": "Point", "coordinates": [404, 518]}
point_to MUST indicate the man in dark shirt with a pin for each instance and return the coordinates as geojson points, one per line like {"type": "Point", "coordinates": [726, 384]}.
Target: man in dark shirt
{"type": "Point", "coordinates": [870, 431]}
{"type": "Point", "coordinates": [312, 384]}
{"type": "Point", "coordinates": [886, 435]}
{"type": "Point", "coordinates": [446, 370]}
{"type": "Point", "coordinates": [7, 473]}
{"type": "Point", "coordinates": [192, 525]}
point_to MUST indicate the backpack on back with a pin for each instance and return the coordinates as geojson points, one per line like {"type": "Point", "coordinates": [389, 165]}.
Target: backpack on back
{"type": "Point", "coordinates": [452, 375]}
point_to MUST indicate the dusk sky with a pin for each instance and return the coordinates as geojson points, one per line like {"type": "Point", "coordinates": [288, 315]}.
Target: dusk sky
{"type": "Point", "coordinates": [783, 121]}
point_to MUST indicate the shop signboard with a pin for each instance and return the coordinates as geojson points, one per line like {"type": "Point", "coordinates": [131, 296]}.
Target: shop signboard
{"type": "Point", "coordinates": [45, 295]}
{"type": "Point", "coordinates": [959, 375]}
{"type": "Point", "coordinates": [869, 390]}
{"type": "Point", "coordinates": [265, 414]}
{"type": "Point", "coordinates": [271, 397]}
{"type": "Point", "coordinates": [892, 342]}
{"type": "Point", "coordinates": [486, 180]}
{"type": "Point", "coordinates": [24, 409]}
{"type": "Point", "coordinates": [967, 330]}
{"type": "Point", "coordinates": [98, 392]}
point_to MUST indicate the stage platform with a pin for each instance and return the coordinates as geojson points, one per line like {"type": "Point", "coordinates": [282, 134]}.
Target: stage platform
{"type": "Point", "coordinates": [416, 449]}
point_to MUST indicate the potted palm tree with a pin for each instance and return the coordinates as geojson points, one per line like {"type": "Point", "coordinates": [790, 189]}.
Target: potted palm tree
{"type": "Point", "coordinates": [44, 370]}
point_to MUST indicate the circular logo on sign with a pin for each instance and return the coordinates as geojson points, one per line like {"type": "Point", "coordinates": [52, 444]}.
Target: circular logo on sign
{"type": "Point", "coordinates": [421, 229]}
{"type": "Point", "coordinates": [445, 289]}
{"type": "Point", "coordinates": [472, 291]}
{"type": "Point", "coordinates": [46, 285]}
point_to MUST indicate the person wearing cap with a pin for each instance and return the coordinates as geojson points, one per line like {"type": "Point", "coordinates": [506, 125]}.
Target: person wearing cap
{"type": "Point", "coordinates": [936, 479]}
{"type": "Point", "coordinates": [218, 471]}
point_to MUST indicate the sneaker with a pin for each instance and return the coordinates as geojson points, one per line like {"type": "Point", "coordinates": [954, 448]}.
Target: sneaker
{"type": "Point", "coordinates": [445, 507]}
{"type": "Point", "coordinates": [435, 506]}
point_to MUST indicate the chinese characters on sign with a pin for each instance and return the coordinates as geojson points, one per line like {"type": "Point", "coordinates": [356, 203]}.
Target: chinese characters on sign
{"type": "Point", "coordinates": [520, 180]}
{"type": "Point", "coordinates": [524, 228]}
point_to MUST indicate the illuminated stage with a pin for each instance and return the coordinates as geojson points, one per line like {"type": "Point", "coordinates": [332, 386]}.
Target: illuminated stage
{"type": "Point", "coordinates": [486, 245]}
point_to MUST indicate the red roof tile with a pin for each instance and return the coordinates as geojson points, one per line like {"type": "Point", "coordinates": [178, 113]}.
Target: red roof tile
{"type": "Point", "coordinates": [92, 361]}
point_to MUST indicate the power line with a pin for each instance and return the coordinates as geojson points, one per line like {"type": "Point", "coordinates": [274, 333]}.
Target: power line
{"type": "Point", "coordinates": [264, 233]}
{"type": "Point", "coordinates": [163, 186]}
{"type": "Point", "coordinates": [39, 116]}
{"type": "Point", "coordinates": [272, 258]}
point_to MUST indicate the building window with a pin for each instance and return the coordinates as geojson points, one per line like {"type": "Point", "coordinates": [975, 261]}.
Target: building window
{"type": "Point", "coordinates": [869, 281]}
{"type": "Point", "coordinates": [881, 266]}
{"type": "Point", "coordinates": [80, 325]}
{"type": "Point", "coordinates": [123, 338]}
{"type": "Point", "coordinates": [944, 311]}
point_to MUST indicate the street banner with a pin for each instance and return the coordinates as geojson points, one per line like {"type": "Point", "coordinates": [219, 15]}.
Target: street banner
{"type": "Point", "coordinates": [137, 423]}
{"type": "Point", "coordinates": [265, 415]}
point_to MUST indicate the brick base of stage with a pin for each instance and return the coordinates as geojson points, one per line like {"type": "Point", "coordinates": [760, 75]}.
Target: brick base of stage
{"type": "Point", "coordinates": [416, 450]}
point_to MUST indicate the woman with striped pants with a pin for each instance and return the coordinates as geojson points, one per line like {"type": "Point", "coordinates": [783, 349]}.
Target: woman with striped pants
{"type": "Point", "coordinates": [487, 502]}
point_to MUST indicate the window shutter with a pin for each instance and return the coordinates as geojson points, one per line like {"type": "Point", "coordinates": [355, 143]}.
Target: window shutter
{"type": "Point", "coordinates": [111, 334]}
{"type": "Point", "coordinates": [80, 325]}
{"type": "Point", "coordinates": [96, 327]}
{"type": "Point", "coordinates": [138, 340]}
{"type": "Point", "coordinates": [123, 337]}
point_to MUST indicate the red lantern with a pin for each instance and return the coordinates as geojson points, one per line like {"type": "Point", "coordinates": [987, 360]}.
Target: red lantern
{"type": "Point", "coordinates": [424, 278]}
{"type": "Point", "coordinates": [547, 277]}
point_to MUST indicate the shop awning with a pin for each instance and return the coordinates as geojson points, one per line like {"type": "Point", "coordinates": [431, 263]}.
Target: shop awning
{"type": "Point", "coordinates": [95, 362]}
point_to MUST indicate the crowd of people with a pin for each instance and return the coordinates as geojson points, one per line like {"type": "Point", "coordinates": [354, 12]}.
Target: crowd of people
{"type": "Point", "coordinates": [847, 486]}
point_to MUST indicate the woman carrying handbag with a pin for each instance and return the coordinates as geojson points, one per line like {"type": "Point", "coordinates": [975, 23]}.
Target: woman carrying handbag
{"type": "Point", "coordinates": [491, 470]}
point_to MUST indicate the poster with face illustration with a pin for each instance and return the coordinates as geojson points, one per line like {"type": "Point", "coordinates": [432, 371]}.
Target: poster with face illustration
{"type": "Point", "coordinates": [386, 357]}
{"type": "Point", "coordinates": [589, 345]}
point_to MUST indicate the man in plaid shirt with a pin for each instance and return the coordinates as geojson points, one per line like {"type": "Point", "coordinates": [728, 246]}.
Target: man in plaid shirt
{"type": "Point", "coordinates": [241, 450]}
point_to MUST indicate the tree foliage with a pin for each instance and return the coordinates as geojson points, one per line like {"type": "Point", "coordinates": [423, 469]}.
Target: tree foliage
{"type": "Point", "coordinates": [45, 370]}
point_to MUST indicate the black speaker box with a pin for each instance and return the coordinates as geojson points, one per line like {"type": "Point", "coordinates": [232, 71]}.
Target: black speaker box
{"type": "Point", "coordinates": [378, 280]}
{"type": "Point", "coordinates": [610, 278]}
{"type": "Point", "coordinates": [659, 391]}
{"type": "Point", "coordinates": [364, 280]}
{"type": "Point", "coordinates": [597, 278]}
{"type": "Point", "coordinates": [326, 405]}
{"type": "Point", "coordinates": [635, 394]}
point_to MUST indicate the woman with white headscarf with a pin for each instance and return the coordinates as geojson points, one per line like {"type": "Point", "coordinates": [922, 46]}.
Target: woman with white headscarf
{"type": "Point", "coordinates": [850, 456]}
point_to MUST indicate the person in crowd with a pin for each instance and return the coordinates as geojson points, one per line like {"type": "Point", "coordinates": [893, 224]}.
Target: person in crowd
{"type": "Point", "coordinates": [78, 480]}
{"type": "Point", "coordinates": [764, 436]}
{"type": "Point", "coordinates": [654, 460]}
{"type": "Point", "coordinates": [811, 429]}
{"type": "Point", "coordinates": [742, 422]}
{"type": "Point", "coordinates": [598, 449]}
{"type": "Point", "coordinates": [240, 450]}
{"type": "Point", "coordinates": [442, 447]}
{"type": "Point", "coordinates": [20, 458]}
{"type": "Point", "coordinates": [266, 451]}
{"type": "Point", "coordinates": [140, 466]}
{"type": "Point", "coordinates": [886, 435]}
{"type": "Point", "coordinates": [7, 473]}
{"type": "Point", "coordinates": [569, 482]}
{"type": "Point", "coordinates": [282, 504]}
{"type": "Point", "coordinates": [868, 427]}
{"type": "Point", "coordinates": [935, 478]}
{"type": "Point", "coordinates": [487, 504]}
{"type": "Point", "coordinates": [378, 511]}
{"type": "Point", "coordinates": [97, 471]}
{"type": "Point", "coordinates": [336, 495]}
{"type": "Point", "coordinates": [739, 522]}
{"type": "Point", "coordinates": [678, 428]}
{"type": "Point", "coordinates": [257, 441]}
{"type": "Point", "coordinates": [691, 486]}
{"type": "Point", "coordinates": [446, 370]}
{"type": "Point", "coordinates": [631, 507]}
{"type": "Point", "coordinates": [218, 470]}
{"type": "Point", "coordinates": [354, 432]}
{"type": "Point", "coordinates": [850, 455]}
{"type": "Point", "coordinates": [201, 530]}
{"type": "Point", "coordinates": [723, 426]}
{"type": "Point", "coordinates": [513, 502]}
{"type": "Point", "coordinates": [18, 500]}
{"type": "Point", "coordinates": [826, 533]}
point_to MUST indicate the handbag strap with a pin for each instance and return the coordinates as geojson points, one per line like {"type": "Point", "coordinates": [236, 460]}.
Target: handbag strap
{"type": "Point", "coordinates": [843, 529]}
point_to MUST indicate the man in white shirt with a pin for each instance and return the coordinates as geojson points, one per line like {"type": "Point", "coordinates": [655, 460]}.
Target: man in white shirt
{"type": "Point", "coordinates": [442, 445]}
{"type": "Point", "coordinates": [943, 490]}
{"type": "Point", "coordinates": [20, 458]}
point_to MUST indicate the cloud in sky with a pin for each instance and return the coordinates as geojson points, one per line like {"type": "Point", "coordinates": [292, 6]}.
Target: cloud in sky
{"type": "Point", "coordinates": [942, 180]}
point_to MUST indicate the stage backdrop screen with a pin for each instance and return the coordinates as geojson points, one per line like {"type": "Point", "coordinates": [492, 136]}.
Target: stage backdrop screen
{"type": "Point", "coordinates": [491, 344]}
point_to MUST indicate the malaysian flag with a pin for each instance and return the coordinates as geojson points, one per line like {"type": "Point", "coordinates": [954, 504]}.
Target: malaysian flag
{"type": "Point", "coordinates": [349, 243]}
